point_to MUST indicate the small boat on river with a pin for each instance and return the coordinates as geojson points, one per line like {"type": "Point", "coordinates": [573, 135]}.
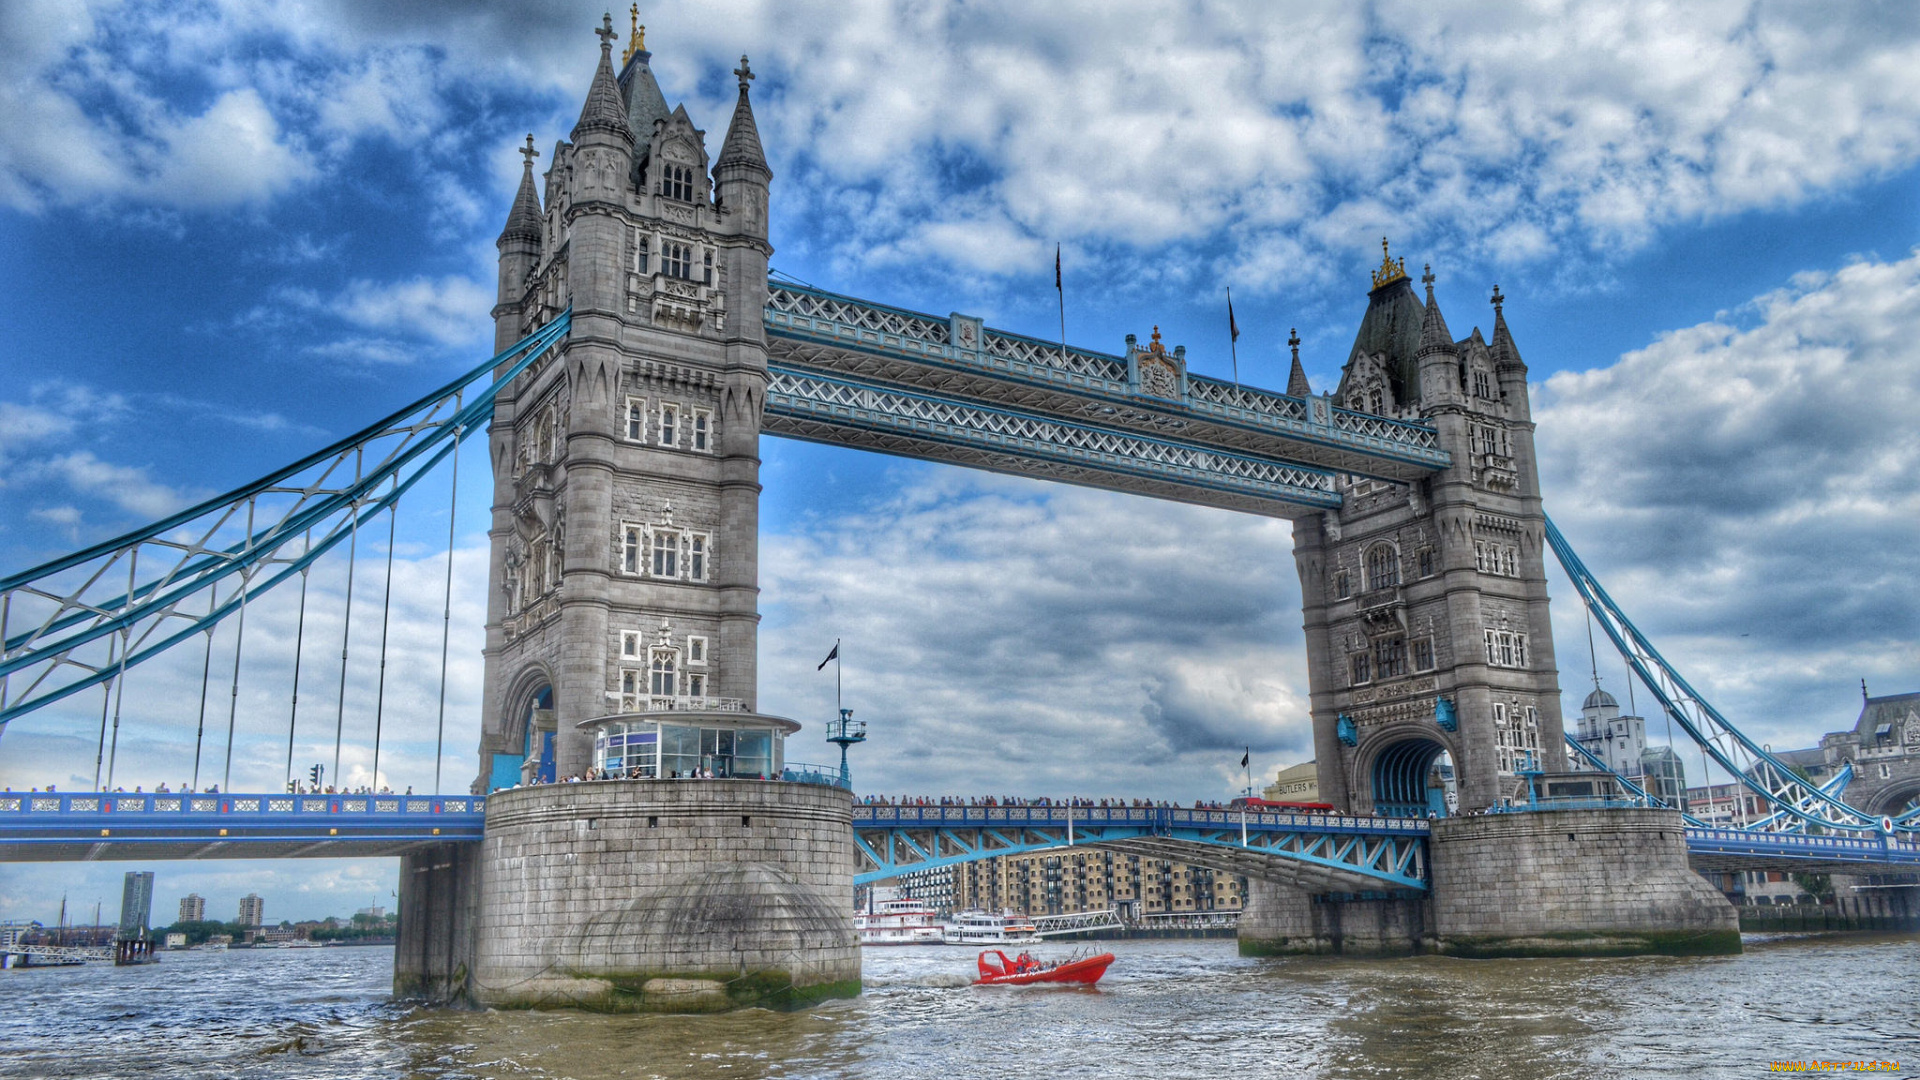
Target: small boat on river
{"type": "Point", "coordinates": [997, 970]}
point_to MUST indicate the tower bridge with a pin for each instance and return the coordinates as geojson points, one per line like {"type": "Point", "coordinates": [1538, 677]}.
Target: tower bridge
{"type": "Point", "coordinates": [643, 349]}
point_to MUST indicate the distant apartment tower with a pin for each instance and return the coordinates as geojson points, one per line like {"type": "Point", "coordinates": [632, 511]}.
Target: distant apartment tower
{"type": "Point", "coordinates": [193, 908]}
{"type": "Point", "coordinates": [1621, 742]}
{"type": "Point", "coordinates": [136, 904]}
{"type": "Point", "coordinates": [253, 911]}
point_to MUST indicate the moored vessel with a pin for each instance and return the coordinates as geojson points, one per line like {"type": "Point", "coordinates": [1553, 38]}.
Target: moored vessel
{"type": "Point", "coordinates": [987, 928]}
{"type": "Point", "coordinates": [891, 919]}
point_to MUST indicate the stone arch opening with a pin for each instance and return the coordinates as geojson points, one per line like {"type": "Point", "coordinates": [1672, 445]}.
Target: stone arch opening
{"type": "Point", "coordinates": [529, 731]}
{"type": "Point", "coordinates": [1414, 778]}
{"type": "Point", "coordinates": [1897, 799]}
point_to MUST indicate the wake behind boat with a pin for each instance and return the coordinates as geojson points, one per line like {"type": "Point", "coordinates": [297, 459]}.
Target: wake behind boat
{"type": "Point", "coordinates": [1023, 970]}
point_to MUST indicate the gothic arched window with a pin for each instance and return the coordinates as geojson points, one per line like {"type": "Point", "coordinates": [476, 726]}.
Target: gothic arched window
{"type": "Point", "coordinates": [676, 182]}
{"type": "Point", "coordinates": [663, 663]}
{"type": "Point", "coordinates": [1383, 567]}
{"type": "Point", "coordinates": [676, 261]}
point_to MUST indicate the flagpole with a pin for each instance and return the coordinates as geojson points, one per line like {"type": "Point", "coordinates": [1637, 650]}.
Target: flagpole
{"type": "Point", "coordinates": [1233, 338]}
{"type": "Point", "coordinates": [1246, 762]}
{"type": "Point", "coordinates": [1060, 288]}
{"type": "Point", "coordinates": [836, 675]}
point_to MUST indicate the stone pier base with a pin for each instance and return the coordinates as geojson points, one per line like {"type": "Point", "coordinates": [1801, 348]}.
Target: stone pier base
{"type": "Point", "coordinates": [1609, 882]}
{"type": "Point", "coordinates": [666, 896]}
{"type": "Point", "coordinates": [439, 892]}
{"type": "Point", "coordinates": [1281, 919]}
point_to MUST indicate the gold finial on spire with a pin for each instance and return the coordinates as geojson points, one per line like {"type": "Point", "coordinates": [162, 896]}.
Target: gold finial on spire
{"type": "Point", "coordinates": [1155, 346]}
{"type": "Point", "coordinates": [1390, 271]}
{"type": "Point", "coordinates": [637, 40]}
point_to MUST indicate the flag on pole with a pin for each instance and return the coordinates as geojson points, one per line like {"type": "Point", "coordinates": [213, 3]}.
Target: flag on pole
{"type": "Point", "coordinates": [1246, 757]}
{"type": "Point", "coordinates": [831, 657]}
{"type": "Point", "coordinates": [1232, 326]}
{"type": "Point", "coordinates": [1056, 269]}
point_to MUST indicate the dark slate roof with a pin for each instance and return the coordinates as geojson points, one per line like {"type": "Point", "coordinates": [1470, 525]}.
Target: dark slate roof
{"type": "Point", "coordinates": [1392, 326]}
{"type": "Point", "coordinates": [645, 102]}
{"type": "Point", "coordinates": [1600, 699]}
{"type": "Point", "coordinates": [1885, 710]}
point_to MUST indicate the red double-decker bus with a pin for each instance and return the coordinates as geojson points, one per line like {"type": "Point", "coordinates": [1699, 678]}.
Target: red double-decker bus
{"type": "Point", "coordinates": [1274, 806]}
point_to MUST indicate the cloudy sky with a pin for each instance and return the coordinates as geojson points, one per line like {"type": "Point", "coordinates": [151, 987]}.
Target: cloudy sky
{"type": "Point", "coordinates": [235, 231]}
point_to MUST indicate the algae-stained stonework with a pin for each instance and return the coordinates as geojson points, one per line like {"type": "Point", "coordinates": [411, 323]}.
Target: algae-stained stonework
{"type": "Point", "coordinates": [626, 466]}
{"type": "Point", "coordinates": [663, 896]}
{"type": "Point", "coordinates": [1426, 603]}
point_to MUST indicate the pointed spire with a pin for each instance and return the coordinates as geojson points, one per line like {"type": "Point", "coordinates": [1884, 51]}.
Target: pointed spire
{"type": "Point", "coordinates": [646, 105]}
{"type": "Point", "coordinates": [742, 145]}
{"type": "Point", "coordinates": [1297, 377]}
{"type": "Point", "coordinates": [1434, 336]}
{"type": "Point", "coordinates": [636, 38]}
{"type": "Point", "coordinates": [523, 221]}
{"type": "Point", "coordinates": [1504, 351]}
{"type": "Point", "coordinates": [604, 110]}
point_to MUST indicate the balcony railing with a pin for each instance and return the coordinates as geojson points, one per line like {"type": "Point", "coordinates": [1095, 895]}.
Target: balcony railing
{"type": "Point", "coordinates": [628, 703]}
{"type": "Point", "coordinates": [799, 772]}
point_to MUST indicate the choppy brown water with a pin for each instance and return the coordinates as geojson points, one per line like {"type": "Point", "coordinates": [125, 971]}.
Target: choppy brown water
{"type": "Point", "coordinates": [1166, 1009]}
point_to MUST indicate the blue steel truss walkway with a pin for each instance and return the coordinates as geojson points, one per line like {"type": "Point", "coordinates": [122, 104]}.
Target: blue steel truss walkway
{"type": "Point", "coordinates": [852, 372]}
{"type": "Point", "coordinates": [1317, 852]}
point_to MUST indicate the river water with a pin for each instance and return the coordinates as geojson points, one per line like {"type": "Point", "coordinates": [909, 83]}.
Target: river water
{"type": "Point", "coordinates": [1166, 1009]}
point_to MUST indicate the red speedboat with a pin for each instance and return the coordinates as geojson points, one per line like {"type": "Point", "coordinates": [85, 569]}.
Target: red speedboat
{"type": "Point", "coordinates": [997, 970]}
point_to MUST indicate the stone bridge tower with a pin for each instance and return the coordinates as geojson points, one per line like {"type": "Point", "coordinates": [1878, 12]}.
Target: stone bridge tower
{"type": "Point", "coordinates": [1426, 603]}
{"type": "Point", "coordinates": [626, 467]}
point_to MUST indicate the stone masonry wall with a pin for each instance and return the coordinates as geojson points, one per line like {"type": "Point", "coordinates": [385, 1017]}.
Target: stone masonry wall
{"type": "Point", "coordinates": [1281, 919]}
{"type": "Point", "coordinates": [666, 895]}
{"type": "Point", "coordinates": [439, 896]}
{"type": "Point", "coordinates": [1573, 882]}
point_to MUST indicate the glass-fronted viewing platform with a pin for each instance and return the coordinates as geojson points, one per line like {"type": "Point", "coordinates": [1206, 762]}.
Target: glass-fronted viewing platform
{"type": "Point", "coordinates": [681, 743]}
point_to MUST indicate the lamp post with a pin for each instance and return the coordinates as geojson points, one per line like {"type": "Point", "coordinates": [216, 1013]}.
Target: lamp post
{"type": "Point", "coordinates": [844, 732]}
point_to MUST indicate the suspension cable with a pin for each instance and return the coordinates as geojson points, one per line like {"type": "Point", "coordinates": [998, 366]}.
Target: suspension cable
{"type": "Point", "coordinates": [120, 679]}
{"type": "Point", "coordinates": [446, 611]}
{"type": "Point", "coordinates": [346, 630]}
{"type": "Point", "coordinates": [206, 673]}
{"type": "Point", "coordinates": [106, 702]}
{"type": "Point", "coordinates": [386, 609]}
{"type": "Point", "coordinates": [239, 639]}
{"type": "Point", "coordinates": [299, 636]}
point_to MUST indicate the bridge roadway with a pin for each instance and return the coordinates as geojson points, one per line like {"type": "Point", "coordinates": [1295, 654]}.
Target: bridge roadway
{"type": "Point", "coordinates": [1313, 851]}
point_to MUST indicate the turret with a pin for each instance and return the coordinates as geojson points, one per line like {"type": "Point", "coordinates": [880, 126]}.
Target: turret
{"type": "Point", "coordinates": [1297, 375]}
{"type": "Point", "coordinates": [519, 247]}
{"type": "Point", "coordinates": [741, 174]}
{"type": "Point", "coordinates": [1438, 361]}
{"type": "Point", "coordinates": [601, 174]}
{"type": "Point", "coordinates": [1508, 367]}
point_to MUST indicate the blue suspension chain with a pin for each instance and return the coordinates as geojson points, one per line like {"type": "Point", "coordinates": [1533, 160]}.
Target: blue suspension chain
{"type": "Point", "coordinates": [446, 613]}
{"type": "Point", "coordinates": [299, 636]}
{"type": "Point", "coordinates": [386, 608]}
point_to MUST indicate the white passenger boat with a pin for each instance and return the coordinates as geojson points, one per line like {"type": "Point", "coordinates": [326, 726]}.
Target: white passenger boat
{"type": "Point", "coordinates": [987, 928]}
{"type": "Point", "coordinates": [896, 920]}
